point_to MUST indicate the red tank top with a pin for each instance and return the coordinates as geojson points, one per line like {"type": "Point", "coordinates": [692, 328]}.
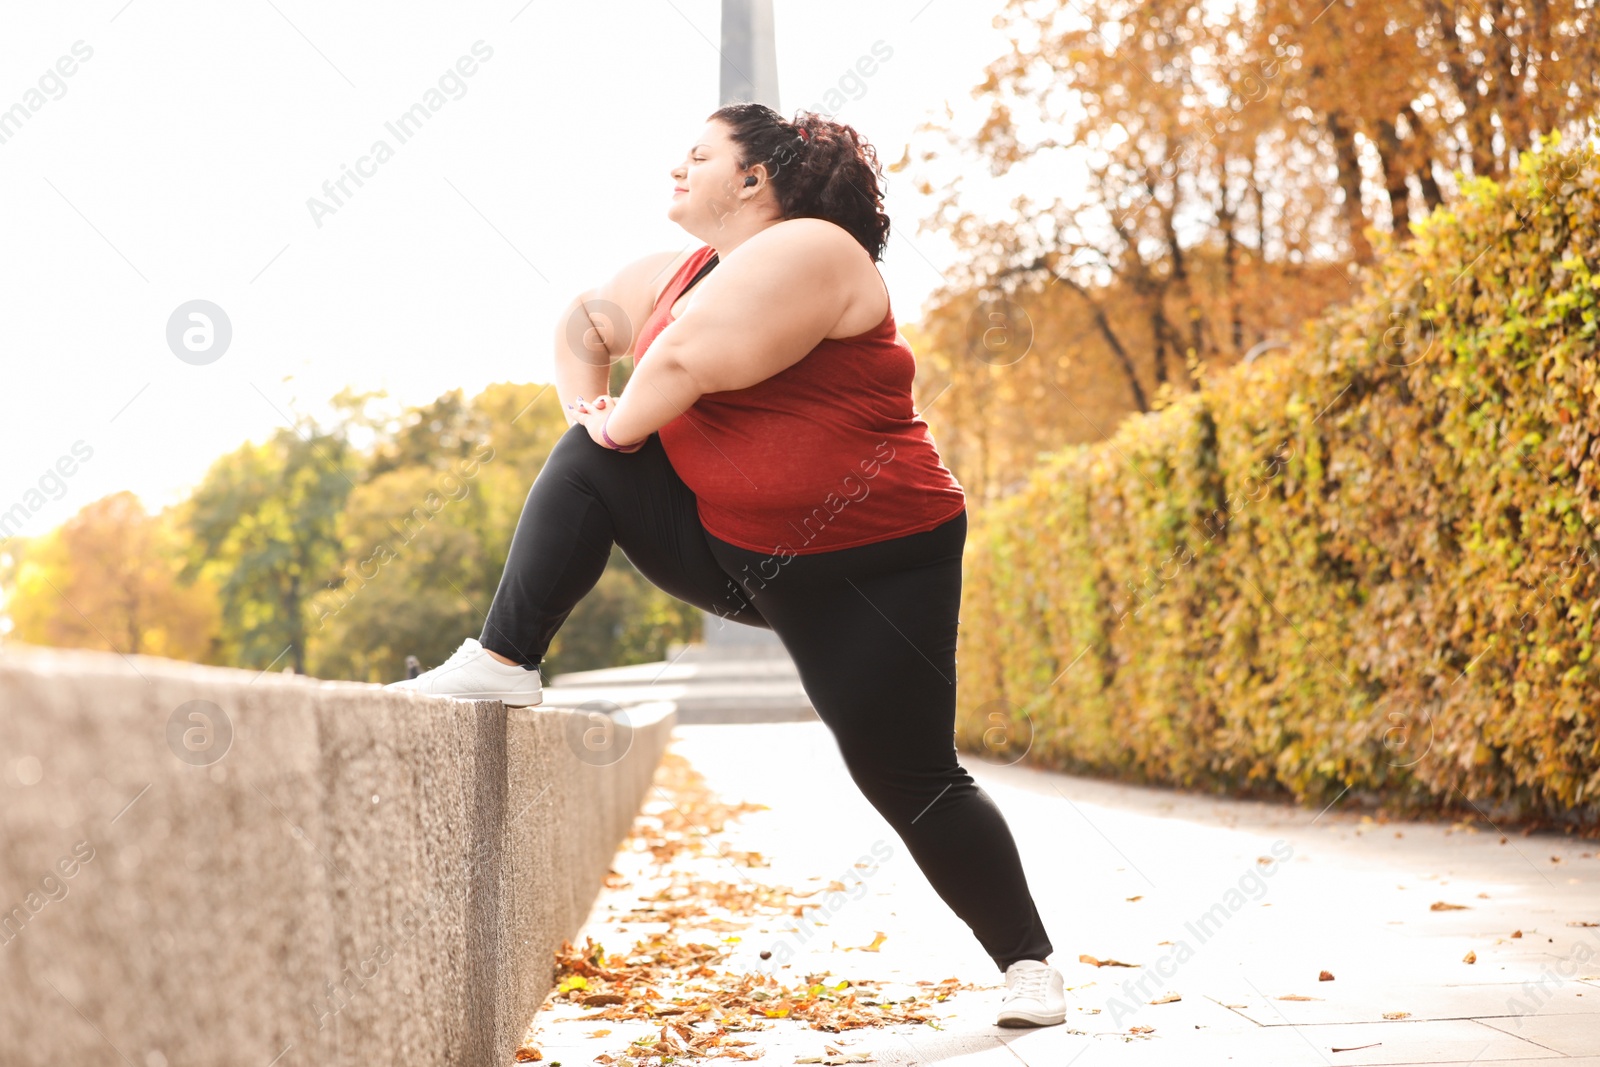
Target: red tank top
{"type": "Point", "coordinates": [826, 454]}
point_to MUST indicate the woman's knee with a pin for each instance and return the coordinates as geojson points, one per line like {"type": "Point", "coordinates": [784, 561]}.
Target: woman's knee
{"type": "Point", "coordinates": [902, 792]}
{"type": "Point", "coordinates": [577, 455]}
{"type": "Point", "coordinates": [575, 446]}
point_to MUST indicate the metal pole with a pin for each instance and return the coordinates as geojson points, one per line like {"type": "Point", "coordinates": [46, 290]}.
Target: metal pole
{"type": "Point", "coordinates": [749, 53]}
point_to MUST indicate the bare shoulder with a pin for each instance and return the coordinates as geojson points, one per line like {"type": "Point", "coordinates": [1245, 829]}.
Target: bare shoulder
{"type": "Point", "coordinates": [822, 259]}
{"type": "Point", "coordinates": [808, 244]}
{"type": "Point", "coordinates": [645, 278]}
{"type": "Point", "coordinates": [633, 291]}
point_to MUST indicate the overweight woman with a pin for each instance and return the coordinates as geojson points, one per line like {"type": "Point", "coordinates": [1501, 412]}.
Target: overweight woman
{"type": "Point", "coordinates": [765, 463]}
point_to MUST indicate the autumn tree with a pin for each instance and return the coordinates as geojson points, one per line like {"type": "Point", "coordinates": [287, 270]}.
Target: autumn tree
{"type": "Point", "coordinates": [1198, 180]}
{"type": "Point", "coordinates": [108, 578]}
{"type": "Point", "coordinates": [263, 528]}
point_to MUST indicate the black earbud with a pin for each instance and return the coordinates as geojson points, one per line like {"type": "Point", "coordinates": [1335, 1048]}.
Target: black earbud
{"type": "Point", "coordinates": [750, 180]}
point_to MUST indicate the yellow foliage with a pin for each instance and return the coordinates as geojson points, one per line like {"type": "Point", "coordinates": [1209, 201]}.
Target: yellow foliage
{"type": "Point", "coordinates": [108, 579]}
{"type": "Point", "coordinates": [1367, 562]}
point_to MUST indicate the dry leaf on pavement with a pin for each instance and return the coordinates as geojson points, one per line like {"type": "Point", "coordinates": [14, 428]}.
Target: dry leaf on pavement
{"type": "Point", "coordinates": [877, 943]}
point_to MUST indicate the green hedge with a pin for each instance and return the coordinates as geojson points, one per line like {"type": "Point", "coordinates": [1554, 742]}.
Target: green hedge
{"type": "Point", "coordinates": [1367, 562]}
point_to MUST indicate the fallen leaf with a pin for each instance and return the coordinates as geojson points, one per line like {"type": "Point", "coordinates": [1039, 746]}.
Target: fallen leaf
{"type": "Point", "coordinates": [1516, 933]}
{"type": "Point", "coordinates": [1265, 861]}
{"type": "Point", "coordinates": [1397, 1015]}
{"type": "Point", "coordinates": [1170, 998]}
{"type": "Point", "coordinates": [529, 1053]}
{"type": "Point", "coordinates": [1130, 900]}
{"type": "Point", "coordinates": [1470, 957]}
{"type": "Point", "coordinates": [1091, 961]}
{"type": "Point", "coordinates": [600, 1000]}
{"type": "Point", "coordinates": [1297, 996]}
{"type": "Point", "coordinates": [1325, 976]}
{"type": "Point", "coordinates": [877, 942]}
{"type": "Point", "coordinates": [1440, 905]}
{"type": "Point", "coordinates": [1581, 922]}
{"type": "Point", "coordinates": [599, 1033]}
{"type": "Point", "coordinates": [1141, 1029]}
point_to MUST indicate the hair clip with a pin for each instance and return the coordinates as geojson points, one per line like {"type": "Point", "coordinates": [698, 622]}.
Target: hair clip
{"type": "Point", "coordinates": [802, 132]}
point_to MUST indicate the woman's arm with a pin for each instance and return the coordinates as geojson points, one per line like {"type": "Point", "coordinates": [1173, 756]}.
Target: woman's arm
{"type": "Point", "coordinates": [582, 369]}
{"type": "Point", "coordinates": [599, 325]}
{"type": "Point", "coordinates": [768, 304]}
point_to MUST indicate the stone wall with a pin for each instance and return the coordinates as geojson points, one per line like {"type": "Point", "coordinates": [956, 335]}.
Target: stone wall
{"type": "Point", "coordinates": [207, 866]}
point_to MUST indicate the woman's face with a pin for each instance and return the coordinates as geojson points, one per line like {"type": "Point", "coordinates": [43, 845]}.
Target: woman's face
{"type": "Point", "coordinates": [706, 183]}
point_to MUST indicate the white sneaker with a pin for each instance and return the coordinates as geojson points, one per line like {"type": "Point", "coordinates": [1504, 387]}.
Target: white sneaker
{"type": "Point", "coordinates": [1035, 995]}
{"type": "Point", "coordinates": [472, 674]}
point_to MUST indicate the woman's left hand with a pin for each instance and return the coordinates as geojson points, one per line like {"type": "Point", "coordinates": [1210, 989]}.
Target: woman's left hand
{"type": "Point", "coordinates": [592, 413]}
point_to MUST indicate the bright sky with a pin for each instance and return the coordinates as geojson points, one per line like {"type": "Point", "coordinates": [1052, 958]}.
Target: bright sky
{"type": "Point", "coordinates": [175, 161]}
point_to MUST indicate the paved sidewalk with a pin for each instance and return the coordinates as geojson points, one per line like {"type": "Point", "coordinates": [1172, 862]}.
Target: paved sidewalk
{"type": "Point", "coordinates": [707, 683]}
{"type": "Point", "coordinates": [1231, 906]}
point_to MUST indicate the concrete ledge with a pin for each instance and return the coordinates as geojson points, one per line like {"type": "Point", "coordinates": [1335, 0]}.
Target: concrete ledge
{"type": "Point", "coordinates": [351, 874]}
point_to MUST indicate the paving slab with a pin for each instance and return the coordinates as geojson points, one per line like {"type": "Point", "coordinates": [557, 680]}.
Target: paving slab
{"type": "Point", "coordinates": [1573, 1034]}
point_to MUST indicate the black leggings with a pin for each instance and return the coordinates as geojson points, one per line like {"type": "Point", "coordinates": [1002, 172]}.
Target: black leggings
{"type": "Point", "coordinates": [872, 630]}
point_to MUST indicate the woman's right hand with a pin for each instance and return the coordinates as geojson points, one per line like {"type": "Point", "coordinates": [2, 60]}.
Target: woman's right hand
{"type": "Point", "coordinates": [593, 415]}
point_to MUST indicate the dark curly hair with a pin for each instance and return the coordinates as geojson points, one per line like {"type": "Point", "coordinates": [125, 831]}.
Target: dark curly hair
{"type": "Point", "coordinates": [819, 169]}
